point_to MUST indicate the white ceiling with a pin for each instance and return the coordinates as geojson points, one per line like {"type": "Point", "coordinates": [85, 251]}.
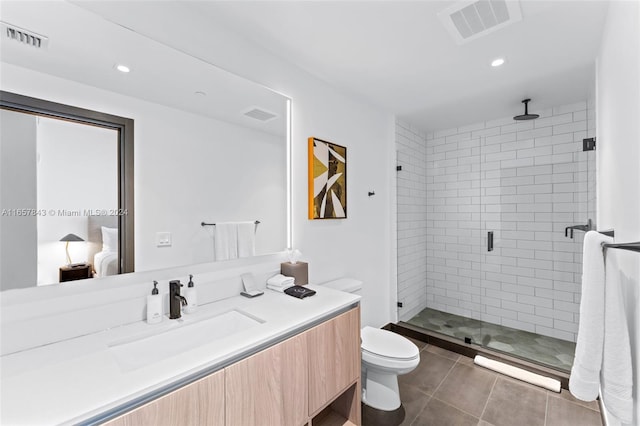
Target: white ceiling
{"type": "Point", "coordinates": [398, 55]}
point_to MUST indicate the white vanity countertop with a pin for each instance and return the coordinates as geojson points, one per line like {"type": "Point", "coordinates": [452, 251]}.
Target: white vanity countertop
{"type": "Point", "coordinates": [76, 380]}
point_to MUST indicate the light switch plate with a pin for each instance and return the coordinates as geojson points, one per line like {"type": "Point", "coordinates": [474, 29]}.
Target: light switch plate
{"type": "Point", "coordinates": [163, 239]}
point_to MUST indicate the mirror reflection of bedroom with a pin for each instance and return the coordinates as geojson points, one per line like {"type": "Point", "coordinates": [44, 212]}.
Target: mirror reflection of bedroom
{"type": "Point", "coordinates": [62, 224]}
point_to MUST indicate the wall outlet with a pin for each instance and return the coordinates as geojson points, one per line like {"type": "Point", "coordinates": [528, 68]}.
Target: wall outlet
{"type": "Point", "coordinates": [163, 239]}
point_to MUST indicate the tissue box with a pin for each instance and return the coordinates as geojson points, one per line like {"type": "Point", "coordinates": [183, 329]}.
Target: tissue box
{"type": "Point", "coordinates": [299, 271]}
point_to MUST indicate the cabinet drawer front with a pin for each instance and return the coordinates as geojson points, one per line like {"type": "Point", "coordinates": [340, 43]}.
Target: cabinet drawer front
{"type": "Point", "coordinates": [270, 387]}
{"type": "Point", "coordinates": [200, 403]}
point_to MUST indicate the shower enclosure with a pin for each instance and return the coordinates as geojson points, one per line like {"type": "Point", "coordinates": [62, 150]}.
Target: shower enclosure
{"type": "Point", "coordinates": [491, 219]}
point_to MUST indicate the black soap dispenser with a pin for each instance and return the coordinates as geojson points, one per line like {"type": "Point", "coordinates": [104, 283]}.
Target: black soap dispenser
{"type": "Point", "coordinates": [191, 296]}
{"type": "Point", "coordinates": [154, 305]}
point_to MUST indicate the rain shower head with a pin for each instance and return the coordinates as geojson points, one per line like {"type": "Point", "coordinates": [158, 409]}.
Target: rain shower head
{"type": "Point", "coordinates": [526, 115]}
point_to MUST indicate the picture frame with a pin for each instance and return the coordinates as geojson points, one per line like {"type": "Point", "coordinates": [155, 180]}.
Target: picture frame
{"type": "Point", "coordinates": [327, 180]}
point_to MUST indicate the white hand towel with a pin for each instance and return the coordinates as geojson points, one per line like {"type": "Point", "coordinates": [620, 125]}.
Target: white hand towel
{"type": "Point", "coordinates": [603, 354]}
{"type": "Point", "coordinates": [279, 288]}
{"type": "Point", "coordinates": [280, 281]}
{"type": "Point", "coordinates": [246, 239]}
{"type": "Point", "coordinates": [225, 237]}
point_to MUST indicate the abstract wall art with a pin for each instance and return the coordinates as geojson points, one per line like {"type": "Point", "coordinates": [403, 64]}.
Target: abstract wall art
{"type": "Point", "coordinates": [327, 180]}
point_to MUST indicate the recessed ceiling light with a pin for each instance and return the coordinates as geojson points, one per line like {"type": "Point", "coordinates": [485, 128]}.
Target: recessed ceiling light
{"type": "Point", "coordinates": [123, 68]}
{"type": "Point", "coordinates": [497, 62]}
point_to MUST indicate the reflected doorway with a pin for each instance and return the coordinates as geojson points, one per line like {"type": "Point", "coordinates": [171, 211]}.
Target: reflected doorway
{"type": "Point", "coordinates": [77, 194]}
{"type": "Point", "coordinates": [66, 193]}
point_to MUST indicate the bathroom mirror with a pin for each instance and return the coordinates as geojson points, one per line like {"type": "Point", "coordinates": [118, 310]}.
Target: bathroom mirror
{"type": "Point", "coordinates": [209, 146]}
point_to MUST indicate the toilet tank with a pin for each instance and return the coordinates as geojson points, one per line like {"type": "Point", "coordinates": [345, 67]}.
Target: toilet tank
{"type": "Point", "coordinates": [348, 285]}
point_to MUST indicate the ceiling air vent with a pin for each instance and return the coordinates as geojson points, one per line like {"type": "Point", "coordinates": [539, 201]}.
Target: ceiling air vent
{"type": "Point", "coordinates": [23, 36]}
{"type": "Point", "coordinates": [469, 20]}
{"type": "Point", "coordinates": [260, 114]}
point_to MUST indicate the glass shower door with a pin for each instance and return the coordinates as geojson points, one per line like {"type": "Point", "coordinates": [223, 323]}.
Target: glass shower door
{"type": "Point", "coordinates": [453, 237]}
{"type": "Point", "coordinates": [534, 186]}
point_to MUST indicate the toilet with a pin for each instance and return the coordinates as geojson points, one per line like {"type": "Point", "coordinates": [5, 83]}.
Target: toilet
{"type": "Point", "coordinates": [385, 355]}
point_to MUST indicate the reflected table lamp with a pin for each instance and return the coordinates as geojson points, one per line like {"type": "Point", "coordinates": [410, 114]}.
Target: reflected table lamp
{"type": "Point", "coordinates": [69, 238]}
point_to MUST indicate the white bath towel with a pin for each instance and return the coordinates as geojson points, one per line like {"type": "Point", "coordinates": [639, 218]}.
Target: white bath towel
{"type": "Point", "coordinates": [225, 237]}
{"type": "Point", "coordinates": [602, 357]}
{"type": "Point", "coordinates": [246, 239]}
{"type": "Point", "coordinates": [280, 281]}
{"type": "Point", "coordinates": [616, 377]}
{"type": "Point", "coordinates": [584, 382]}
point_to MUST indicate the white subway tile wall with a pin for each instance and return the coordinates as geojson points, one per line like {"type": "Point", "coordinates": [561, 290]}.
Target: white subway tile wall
{"type": "Point", "coordinates": [525, 181]}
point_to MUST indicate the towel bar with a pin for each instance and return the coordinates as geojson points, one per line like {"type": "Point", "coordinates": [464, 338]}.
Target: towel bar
{"type": "Point", "coordinates": [624, 246]}
{"type": "Point", "coordinates": [213, 224]}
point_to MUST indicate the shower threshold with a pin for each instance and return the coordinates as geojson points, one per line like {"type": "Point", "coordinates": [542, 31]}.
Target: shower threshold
{"type": "Point", "coordinates": [542, 350]}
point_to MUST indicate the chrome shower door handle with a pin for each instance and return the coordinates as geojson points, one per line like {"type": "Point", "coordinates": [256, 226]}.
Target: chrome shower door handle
{"type": "Point", "coordinates": [490, 241]}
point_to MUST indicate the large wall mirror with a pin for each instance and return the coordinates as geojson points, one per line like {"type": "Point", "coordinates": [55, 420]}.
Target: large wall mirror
{"type": "Point", "coordinates": [209, 147]}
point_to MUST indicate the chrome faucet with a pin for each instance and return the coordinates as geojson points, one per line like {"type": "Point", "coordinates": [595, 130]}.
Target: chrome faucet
{"type": "Point", "coordinates": [175, 300]}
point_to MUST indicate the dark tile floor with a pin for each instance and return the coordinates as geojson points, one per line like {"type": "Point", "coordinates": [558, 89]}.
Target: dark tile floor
{"type": "Point", "coordinates": [545, 350]}
{"type": "Point", "coordinates": [449, 389]}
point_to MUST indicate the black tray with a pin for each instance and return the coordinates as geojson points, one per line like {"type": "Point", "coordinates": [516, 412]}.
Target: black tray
{"type": "Point", "coordinates": [299, 291]}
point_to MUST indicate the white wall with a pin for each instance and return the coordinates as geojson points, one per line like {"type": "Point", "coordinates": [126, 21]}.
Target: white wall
{"type": "Point", "coordinates": [358, 246]}
{"type": "Point", "coordinates": [18, 238]}
{"type": "Point", "coordinates": [77, 171]}
{"type": "Point", "coordinates": [618, 129]}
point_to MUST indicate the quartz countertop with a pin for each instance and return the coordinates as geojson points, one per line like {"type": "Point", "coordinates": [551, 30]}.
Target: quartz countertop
{"type": "Point", "coordinates": [80, 380]}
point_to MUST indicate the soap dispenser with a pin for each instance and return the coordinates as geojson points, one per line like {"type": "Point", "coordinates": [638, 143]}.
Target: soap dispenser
{"type": "Point", "coordinates": [191, 296]}
{"type": "Point", "coordinates": [154, 305]}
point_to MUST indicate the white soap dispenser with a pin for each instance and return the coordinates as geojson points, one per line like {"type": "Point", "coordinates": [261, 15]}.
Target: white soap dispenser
{"type": "Point", "coordinates": [191, 296]}
{"type": "Point", "coordinates": [154, 305]}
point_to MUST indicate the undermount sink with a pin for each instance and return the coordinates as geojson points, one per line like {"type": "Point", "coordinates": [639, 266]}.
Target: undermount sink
{"type": "Point", "coordinates": [186, 334]}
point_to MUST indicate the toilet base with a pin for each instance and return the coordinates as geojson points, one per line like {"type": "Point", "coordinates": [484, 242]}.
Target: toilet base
{"type": "Point", "coordinates": [380, 390]}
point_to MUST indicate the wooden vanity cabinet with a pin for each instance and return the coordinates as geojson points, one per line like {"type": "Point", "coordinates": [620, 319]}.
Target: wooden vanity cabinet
{"type": "Point", "coordinates": [312, 379]}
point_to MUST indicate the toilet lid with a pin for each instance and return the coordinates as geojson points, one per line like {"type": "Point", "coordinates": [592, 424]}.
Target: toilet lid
{"type": "Point", "coordinates": [387, 344]}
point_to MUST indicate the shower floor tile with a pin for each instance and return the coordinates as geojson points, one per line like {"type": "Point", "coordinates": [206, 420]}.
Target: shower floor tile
{"type": "Point", "coordinates": [549, 351]}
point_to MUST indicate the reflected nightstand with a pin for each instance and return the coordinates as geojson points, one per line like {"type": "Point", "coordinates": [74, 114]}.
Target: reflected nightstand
{"type": "Point", "coordinates": [76, 272]}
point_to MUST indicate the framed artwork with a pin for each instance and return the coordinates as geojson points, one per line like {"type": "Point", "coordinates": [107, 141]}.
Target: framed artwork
{"type": "Point", "coordinates": [327, 180]}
